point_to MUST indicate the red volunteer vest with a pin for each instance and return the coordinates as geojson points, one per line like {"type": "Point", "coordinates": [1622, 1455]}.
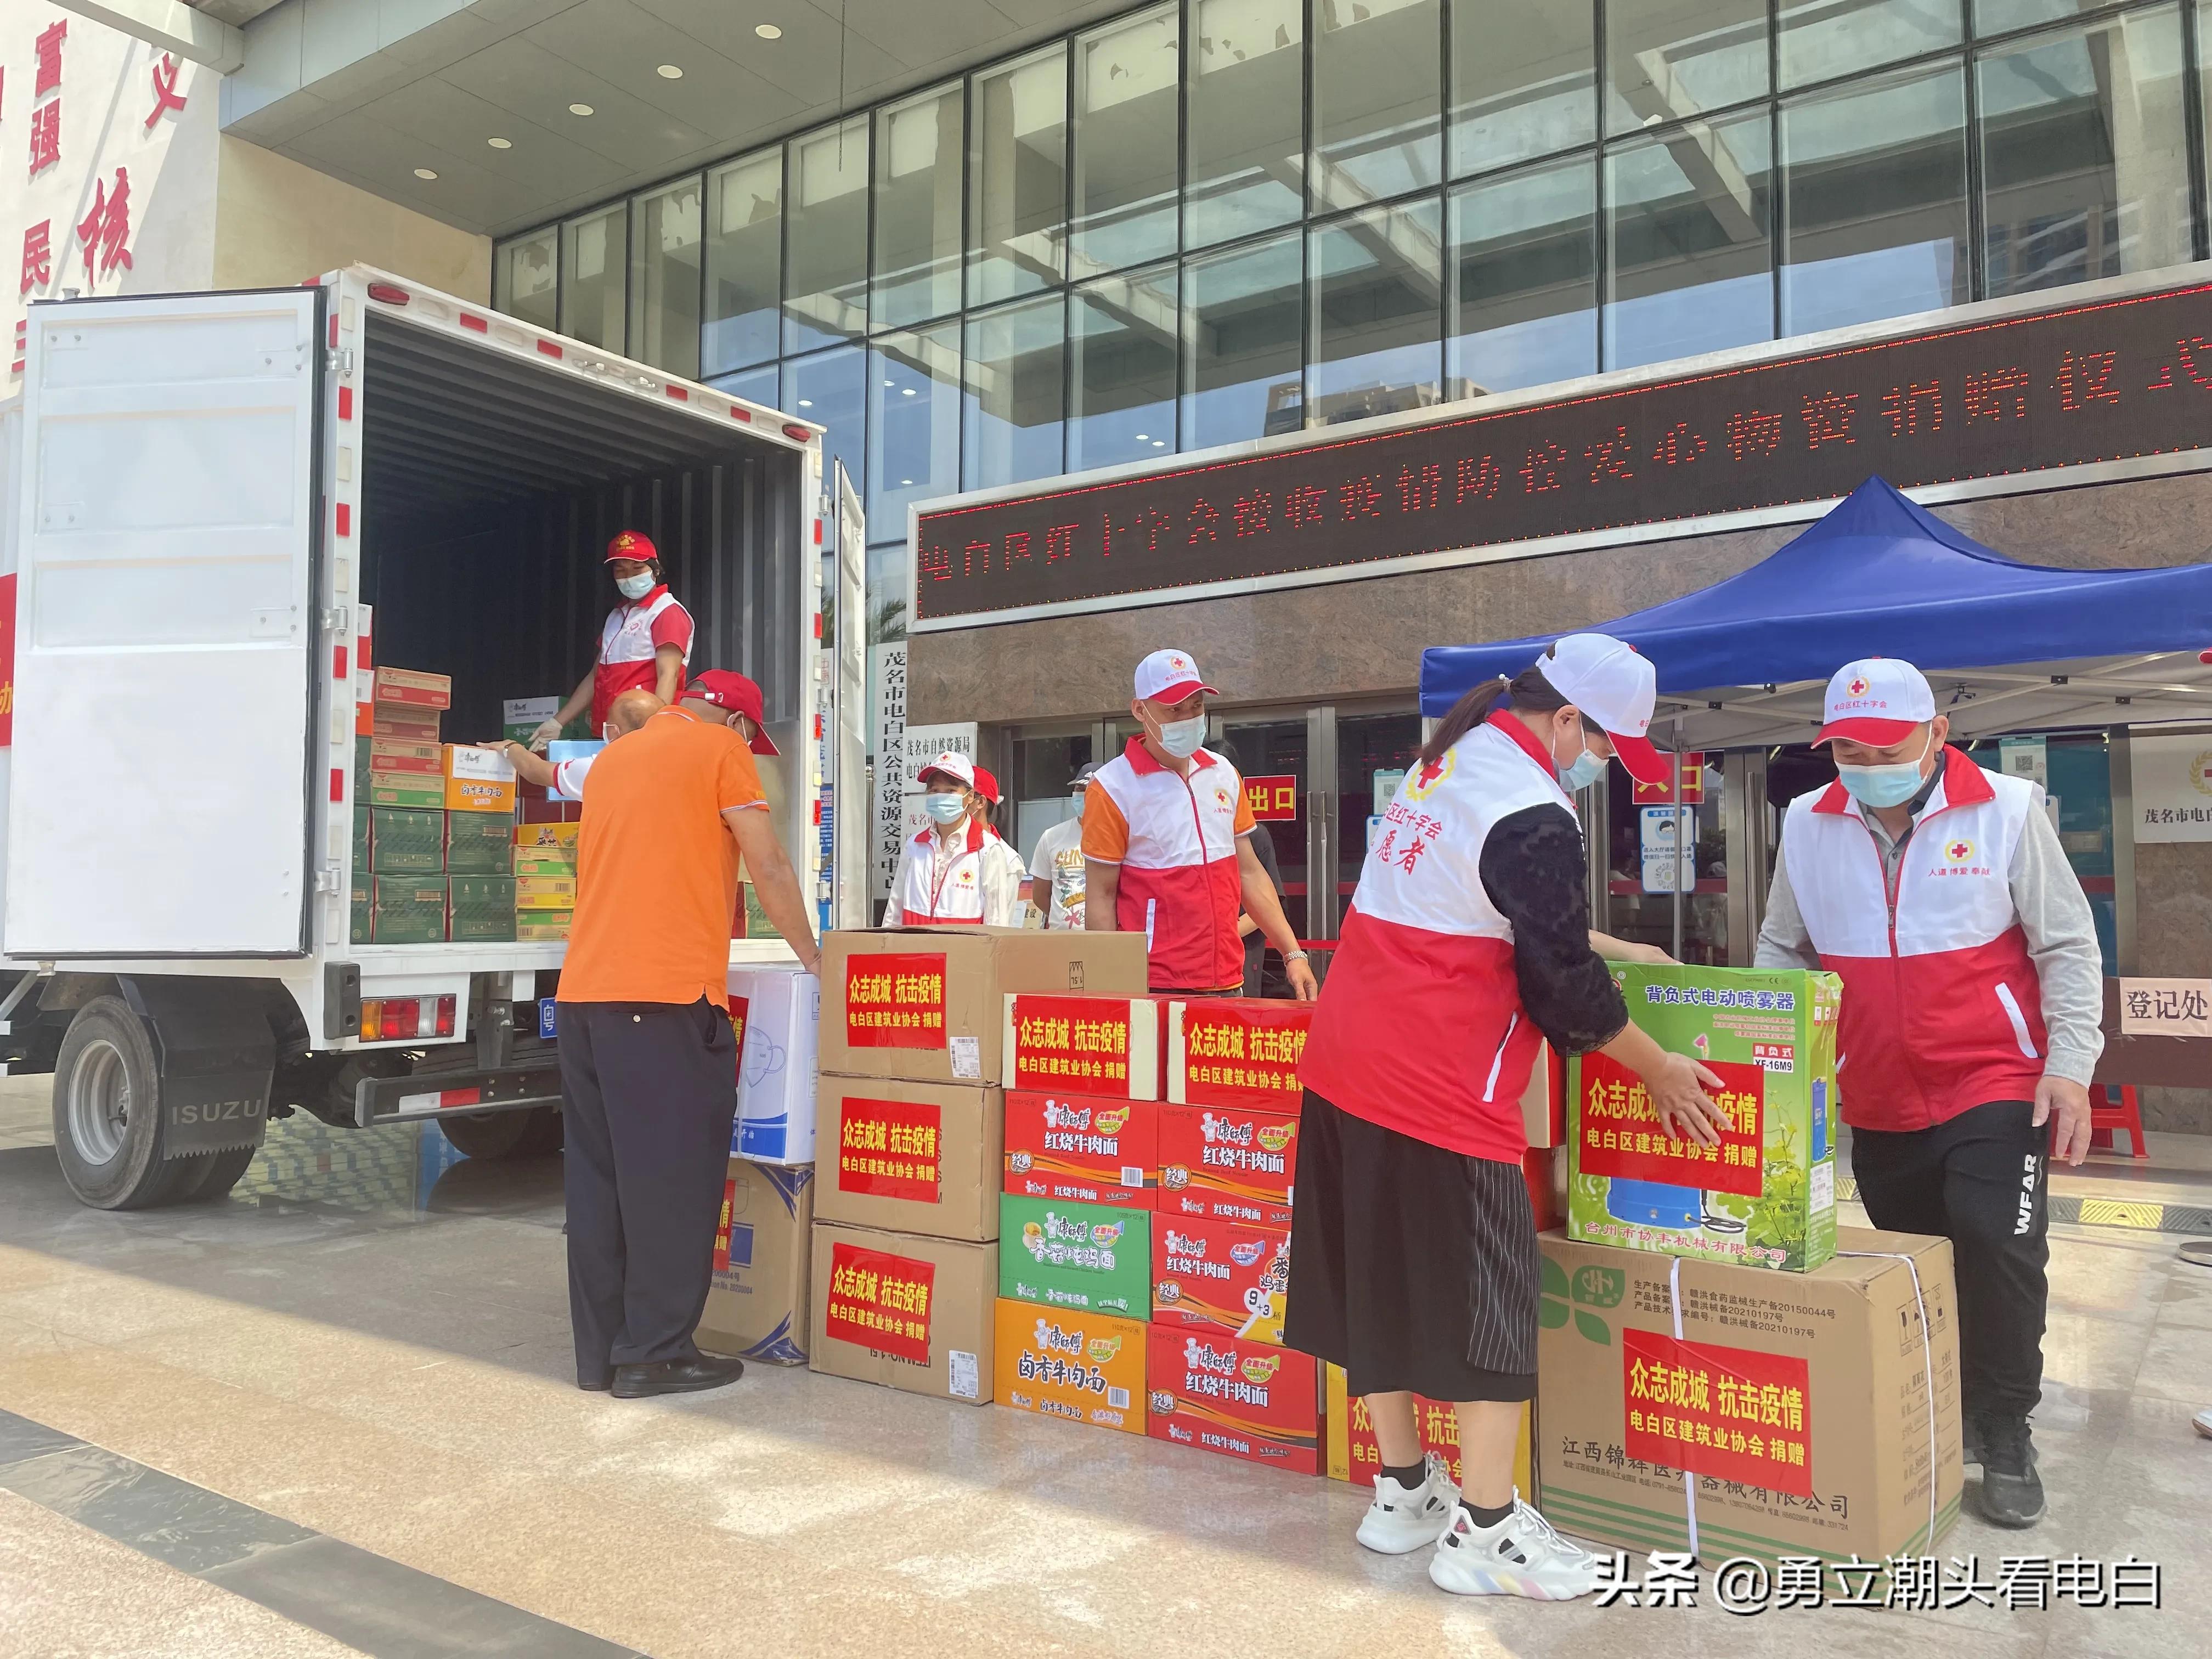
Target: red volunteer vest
{"type": "Point", "coordinates": [627, 653]}
{"type": "Point", "coordinates": [954, 898]}
{"type": "Point", "coordinates": [1942, 1009]}
{"type": "Point", "coordinates": [1420, 1027]}
{"type": "Point", "coordinates": [1180, 886]}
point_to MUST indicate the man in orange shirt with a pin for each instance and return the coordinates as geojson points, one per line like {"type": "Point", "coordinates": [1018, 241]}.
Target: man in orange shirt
{"type": "Point", "coordinates": [648, 1062]}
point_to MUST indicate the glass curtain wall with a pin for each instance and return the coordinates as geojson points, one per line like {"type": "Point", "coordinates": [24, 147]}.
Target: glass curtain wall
{"type": "Point", "coordinates": [1205, 221]}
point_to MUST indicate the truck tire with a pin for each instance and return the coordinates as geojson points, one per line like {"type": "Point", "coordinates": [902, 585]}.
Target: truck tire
{"type": "Point", "coordinates": [219, 1173]}
{"type": "Point", "coordinates": [489, 1135]}
{"type": "Point", "coordinates": [108, 1114]}
{"type": "Point", "coordinates": [547, 1134]}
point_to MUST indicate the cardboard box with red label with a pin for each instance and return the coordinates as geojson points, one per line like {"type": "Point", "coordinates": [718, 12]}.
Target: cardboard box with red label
{"type": "Point", "coordinates": [929, 1003]}
{"type": "Point", "coordinates": [1354, 1455]}
{"type": "Point", "coordinates": [1763, 1195]}
{"type": "Point", "coordinates": [1815, 1413]}
{"type": "Point", "coordinates": [1084, 1149]}
{"type": "Point", "coordinates": [1229, 1394]}
{"type": "Point", "coordinates": [1220, 1274]}
{"type": "Point", "coordinates": [1236, 1051]}
{"type": "Point", "coordinates": [756, 1303]}
{"type": "Point", "coordinates": [911, 1313]}
{"type": "Point", "coordinates": [1091, 1045]}
{"type": "Point", "coordinates": [1086, 1368]}
{"type": "Point", "coordinates": [914, 1158]}
{"type": "Point", "coordinates": [775, 1013]}
{"type": "Point", "coordinates": [1227, 1164]}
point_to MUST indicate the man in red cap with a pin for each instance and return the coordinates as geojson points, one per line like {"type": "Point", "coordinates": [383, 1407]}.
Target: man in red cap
{"type": "Point", "coordinates": [648, 1059]}
{"type": "Point", "coordinates": [644, 645]}
{"type": "Point", "coordinates": [1969, 1027]}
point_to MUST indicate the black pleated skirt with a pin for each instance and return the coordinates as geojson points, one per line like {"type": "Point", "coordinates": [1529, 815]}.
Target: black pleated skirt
{"type": "Point", "coordinates": [1412, 1266]}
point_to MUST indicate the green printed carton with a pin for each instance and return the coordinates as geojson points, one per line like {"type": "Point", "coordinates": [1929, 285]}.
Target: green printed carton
{"type": "Point", "coordinates": [1764, 1194]}
{"type": "Point", "coordinates": [1093, 1258]}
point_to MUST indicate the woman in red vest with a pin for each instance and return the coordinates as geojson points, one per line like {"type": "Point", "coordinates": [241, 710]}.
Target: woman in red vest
{"type": "Point", "coordinates": [1414, 1255]}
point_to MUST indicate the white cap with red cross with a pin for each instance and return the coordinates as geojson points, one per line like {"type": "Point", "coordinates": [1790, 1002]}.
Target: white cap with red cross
{"type": "Point", "coordinates": [1875, 701]}
{"type": "Point", "coordinates": [1169, 676]}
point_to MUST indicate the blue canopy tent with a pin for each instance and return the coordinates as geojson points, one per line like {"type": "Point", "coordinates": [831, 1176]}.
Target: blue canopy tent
{"type": "Point", "coordinates": [2007, 646]}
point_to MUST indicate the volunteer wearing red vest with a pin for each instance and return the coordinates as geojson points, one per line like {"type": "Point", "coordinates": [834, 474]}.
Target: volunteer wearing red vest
{"type": "Point", "coordinates": [643, 645]}
{"type": "Point", "coordinates": [1973, 995]}
{"type": "Point", "coordinates": [949, 872]}
{"type": "Point", "coordinates": [1166, 845]}
{"type": "Point", "coordinates": [1414, 1255]}
{"type": "Point", "coordinates": [1014, 872]}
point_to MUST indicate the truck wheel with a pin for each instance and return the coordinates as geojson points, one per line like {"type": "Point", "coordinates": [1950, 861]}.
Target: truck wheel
{"type": "Point", "coordinates": [547, 1134]}
{"type": "Point", "coordinates": [489, 1135]}
{"type": "Point", "coordinates": [108, 1114]}
{"type": "Point", "coordinates": [218, 1172]}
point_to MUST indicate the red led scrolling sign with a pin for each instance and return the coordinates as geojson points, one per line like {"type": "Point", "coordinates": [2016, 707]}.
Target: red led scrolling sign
{"type": "Point", "coordinates": [2104, 380]}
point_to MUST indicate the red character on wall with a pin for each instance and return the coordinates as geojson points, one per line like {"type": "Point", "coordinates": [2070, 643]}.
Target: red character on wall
{"type": "Point", "coordinates": [165, 96]}
{"type": "Point", "coordinates": [38, 258]}
{"type": "Point", "coordinates": [106, 229]}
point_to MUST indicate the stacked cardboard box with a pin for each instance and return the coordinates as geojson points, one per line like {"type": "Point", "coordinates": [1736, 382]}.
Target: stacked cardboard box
{"type": "Point", "coordinates": [544, 865]}
{"type": "Point", "coordinates": [910, 1138]}
{"type": "Point", "coordinates": [1145, 1222]}
{"type": "Point", "coordinates": [400, 892]}
{"type": "Point", "coordinates": [1790, 1386]}
{"type": "Point", "coordinates": [756, 1304]}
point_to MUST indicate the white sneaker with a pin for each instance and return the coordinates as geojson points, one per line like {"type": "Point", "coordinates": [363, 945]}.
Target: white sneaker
{"type": "Point", "coordinates": [2204, 1422]}
{"type": "Point", "coordinates": [1403, 1519]}
{"type": "Point", "coordinates": [1519, 1556]}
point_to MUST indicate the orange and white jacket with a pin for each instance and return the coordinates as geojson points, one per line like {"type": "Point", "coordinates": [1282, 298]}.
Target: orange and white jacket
{"type": "Point", "coordinates": [1175, 839]}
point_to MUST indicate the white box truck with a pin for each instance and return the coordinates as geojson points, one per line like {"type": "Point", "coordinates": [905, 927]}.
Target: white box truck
{"type": "Point", "coordinates": [202, 492]}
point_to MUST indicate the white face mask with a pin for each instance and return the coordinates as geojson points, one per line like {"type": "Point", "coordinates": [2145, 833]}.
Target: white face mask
{"type": "Point", "coordinates": [1183, 739]}
{"type": "Point", "coordinates": [945, 809]}
{"type": "Point", "coordinates": [636, 588]}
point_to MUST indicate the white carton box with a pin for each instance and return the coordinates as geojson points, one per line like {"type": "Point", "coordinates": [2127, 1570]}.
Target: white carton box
{"type": "Point", "coordinates": [780, 1010]}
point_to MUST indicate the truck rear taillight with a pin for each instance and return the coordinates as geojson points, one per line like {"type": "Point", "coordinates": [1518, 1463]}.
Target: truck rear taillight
{"type": "Point", "coordinates": [387, 295]}
{"type": "Point", "coordinates": [798, 434]}
{"type": "Point", "coordinates": [391, 1019]}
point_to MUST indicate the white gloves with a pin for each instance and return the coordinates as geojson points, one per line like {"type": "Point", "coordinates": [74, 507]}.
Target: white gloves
{"type": "Point", "coordinates": [546, 731]}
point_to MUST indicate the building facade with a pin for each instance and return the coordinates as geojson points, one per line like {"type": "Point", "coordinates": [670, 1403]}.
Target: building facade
{"type": "Point", "coordinates": [1198, 225]}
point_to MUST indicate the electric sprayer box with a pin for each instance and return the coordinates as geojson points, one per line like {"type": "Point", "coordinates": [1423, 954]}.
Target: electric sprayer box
{"type": "Point", "coordinates": [1763, 1196]}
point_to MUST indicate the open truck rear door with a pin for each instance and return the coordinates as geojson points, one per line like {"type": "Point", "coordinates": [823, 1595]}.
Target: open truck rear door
{"type": "Point", "coordinates": [849, 738]}
{"type": "Point", "coordinates": [165, 625]}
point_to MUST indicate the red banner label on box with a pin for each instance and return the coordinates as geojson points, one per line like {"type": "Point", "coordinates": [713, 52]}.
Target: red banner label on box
{"type": "Point", "coordinates": [894, 1002]}
{"type": "Point", "coordinates": [1437, 1422]}
{"type": "Point", "coordinates": [1072, 1043]}
{"type": "Point", "coordinates": [889, 1149]}
{"type": "Point", "coordinates": [723, 1228]}
{"type": "Point", "coordinates": [1733, 1413]}
{"type": "Point", "coordinates": [1620, 1133]}
{"type": "Point", "coordinates": [1241, 1053]}
{"type": "Point", "coordinates": [880, 1301]}
{"type": "Point", "coordinates": [1273, 798]}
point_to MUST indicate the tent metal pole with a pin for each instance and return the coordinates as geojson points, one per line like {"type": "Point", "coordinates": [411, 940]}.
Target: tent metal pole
{"type": "Point", "coordinates": [1683, 856]}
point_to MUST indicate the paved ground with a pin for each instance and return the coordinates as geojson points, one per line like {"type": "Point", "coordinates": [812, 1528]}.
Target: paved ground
{"type": "Point", "coordinates": [351, 1381]}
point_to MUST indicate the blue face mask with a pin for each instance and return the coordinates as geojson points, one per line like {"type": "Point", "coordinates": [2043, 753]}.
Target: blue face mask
{"type": "Point", "coordinates": [1586, 769]}
{"type": "Point", "coordinates": [945, 809]}
{"type": "Point", "coordinates": [1885, 786]}
{"type": "Point", "coordinates": [636, 588]}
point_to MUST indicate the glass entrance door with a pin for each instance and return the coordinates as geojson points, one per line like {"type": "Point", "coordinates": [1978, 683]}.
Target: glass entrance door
{"type": "Point", "coordinates": [1273, 751]}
